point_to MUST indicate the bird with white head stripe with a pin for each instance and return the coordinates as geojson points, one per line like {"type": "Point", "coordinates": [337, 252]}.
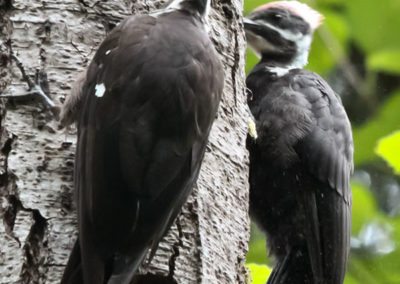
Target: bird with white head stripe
{"type": "Point", "coordinates": [301, 151]}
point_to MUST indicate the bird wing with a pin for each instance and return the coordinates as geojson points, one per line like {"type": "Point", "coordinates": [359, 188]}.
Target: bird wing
{"type": "Point", "coordinates": [327, 153]}
{"type": "Point", "coordinates": [147, 112]}
{"type": "Point", "coordinates": [300, 117]}
{"type": "Point", "coordinates": [327, 148]}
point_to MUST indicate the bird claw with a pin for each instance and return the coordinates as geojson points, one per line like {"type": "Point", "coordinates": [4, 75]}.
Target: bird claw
{"type": "Point", "coordinates": [38, 88]}
{"type": "Point", "coordinates": [36, 91]}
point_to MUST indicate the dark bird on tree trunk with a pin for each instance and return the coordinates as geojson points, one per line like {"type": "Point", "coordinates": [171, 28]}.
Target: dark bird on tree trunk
{"type": "Point", "coordinates": [301, 154]}
{"type": "Point", "coordinates": [144, 109]}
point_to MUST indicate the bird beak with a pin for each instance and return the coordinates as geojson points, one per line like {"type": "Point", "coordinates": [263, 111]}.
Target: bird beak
{"type": "Point", "coordinates": [250, 25]}
{"type": "Point", "coordinates": [252, 29]}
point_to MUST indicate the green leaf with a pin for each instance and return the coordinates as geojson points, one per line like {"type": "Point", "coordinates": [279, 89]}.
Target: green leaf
{"type": "Point", "coordinates": [388, 148]}
{"type": "Point", "coordinates": [374, 24]}
{"type": "Point", "coordinates": [382, 124]}
{"type": "Point", "coordinates": [388, 61]}
{"type": "Point", "coordinates": [259, 273]}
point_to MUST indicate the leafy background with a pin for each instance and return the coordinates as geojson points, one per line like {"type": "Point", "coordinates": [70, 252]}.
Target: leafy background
{"type": "Point", "coordinates": [357, 50]}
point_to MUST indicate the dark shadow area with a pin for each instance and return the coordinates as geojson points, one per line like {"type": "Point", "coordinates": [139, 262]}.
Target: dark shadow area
{"type": "Point", "coordinates": [153, 279]}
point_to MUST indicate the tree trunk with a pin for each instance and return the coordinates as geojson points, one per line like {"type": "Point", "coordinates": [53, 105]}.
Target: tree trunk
{"type": "Point", "coordinates": [54, 40]}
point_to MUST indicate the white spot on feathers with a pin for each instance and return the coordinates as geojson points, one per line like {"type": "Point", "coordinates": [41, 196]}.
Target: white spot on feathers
{"type": "Point", "coordinates": [108, 52]}
{"type": "Point", "coordinates": [100, 90]}
{"type": "Point", "coordinates": [279, 71]}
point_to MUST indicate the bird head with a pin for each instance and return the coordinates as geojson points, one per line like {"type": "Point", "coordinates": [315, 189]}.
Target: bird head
{"type": "Point", "coordinates": [281, 32]}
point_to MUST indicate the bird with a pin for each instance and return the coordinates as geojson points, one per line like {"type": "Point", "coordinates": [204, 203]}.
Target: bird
{"type": "Point", "coordinates": [301, 150]}
{"type": "Point", "coordinates": [144, 108]}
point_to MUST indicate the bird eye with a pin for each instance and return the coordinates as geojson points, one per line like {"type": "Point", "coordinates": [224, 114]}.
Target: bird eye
{"type": "Point", "coordinates": [277, 16]}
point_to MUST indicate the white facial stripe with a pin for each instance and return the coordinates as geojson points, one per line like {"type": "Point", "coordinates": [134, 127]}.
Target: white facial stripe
{"type": "Point", "coordinates": [285, 34]}
{"type": "Point", "coordinates": [303, 43]}
{"type": "Point", "coordinates": [100, 90]}
{"type": "Point", "coordinates": [303, 47]}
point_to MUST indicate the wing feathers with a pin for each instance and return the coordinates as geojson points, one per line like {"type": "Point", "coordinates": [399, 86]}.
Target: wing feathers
{"type": "Point", "coordinates": [135, 140]}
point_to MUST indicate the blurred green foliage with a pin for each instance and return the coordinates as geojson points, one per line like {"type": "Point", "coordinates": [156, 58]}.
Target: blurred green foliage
{"type": "Point", "coordinates": [380, 124]}
{"type": "Point", "coordinates": [357, 50]}
{"type": "Point", "coordinates": [386, 147]}
{"type": "Point", "coordinates": [258, 273]}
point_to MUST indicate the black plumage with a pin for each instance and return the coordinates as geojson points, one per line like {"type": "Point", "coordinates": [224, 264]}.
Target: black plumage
{"type": "Point", "coordinates": [300, 165]}
{"type": "Point", "coordinates": [144, 110]}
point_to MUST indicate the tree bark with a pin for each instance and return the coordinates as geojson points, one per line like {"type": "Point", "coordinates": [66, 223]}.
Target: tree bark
{"type": "Point", "coordinates": [54, 40]}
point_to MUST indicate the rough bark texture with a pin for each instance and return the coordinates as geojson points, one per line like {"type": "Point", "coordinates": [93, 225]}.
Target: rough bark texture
{"type": "Point", "coordinates": [54, 40]}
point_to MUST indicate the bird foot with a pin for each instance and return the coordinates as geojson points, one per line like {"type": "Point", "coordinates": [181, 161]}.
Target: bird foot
{"type": "Point", "coordinates": [35, 89]}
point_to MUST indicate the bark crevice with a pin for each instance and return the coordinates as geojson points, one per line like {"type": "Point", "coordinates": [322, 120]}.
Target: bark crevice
{"type": "Point", "coordinates": [35, 250]}
{"type": "Point", "coordinates": [175, 248]}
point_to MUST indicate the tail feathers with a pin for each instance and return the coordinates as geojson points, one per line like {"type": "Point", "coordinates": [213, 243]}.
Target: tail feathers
{"type": "Point", "coordinates": [119, 270]}
{"type": "Point", "coordinates": [73, 271]}
{"type": "Point", "coordinates": [314, 252]}
{"type": "Point", "coordinates": [294, 268]}
{"type": "Point", "coordinates": [125, 267]}
{"type": "Point", "coordinates": [335, 234]}
{"type": "Point", "coordinates": [321, 257]}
